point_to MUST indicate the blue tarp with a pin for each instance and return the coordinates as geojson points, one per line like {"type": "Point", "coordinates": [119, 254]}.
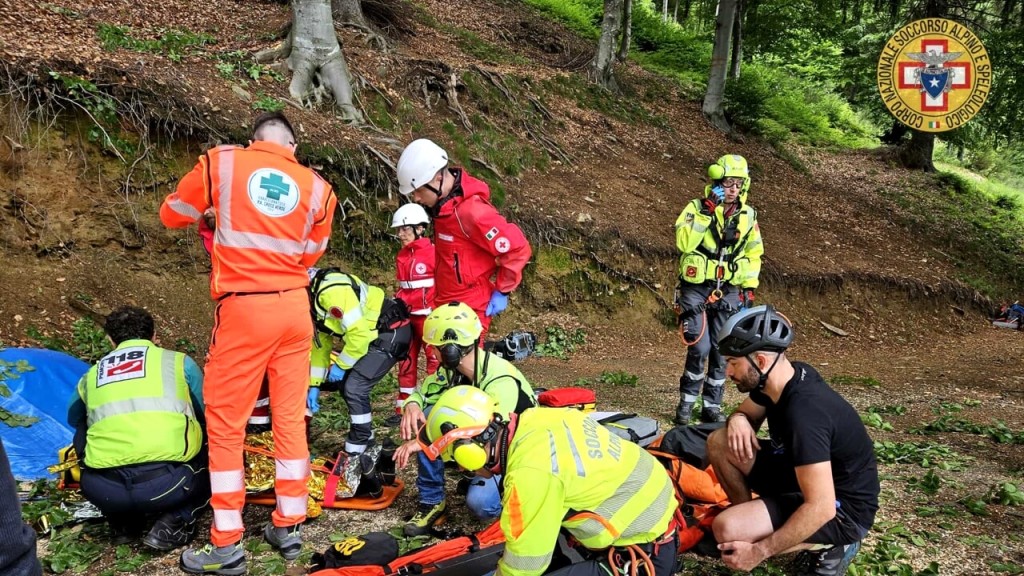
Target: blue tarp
{"type": "Point", "coordinates": [42, 393]}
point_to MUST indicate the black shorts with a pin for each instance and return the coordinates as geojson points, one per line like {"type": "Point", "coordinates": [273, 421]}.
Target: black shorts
{"type": "Point", "coordinates": [773, 478]}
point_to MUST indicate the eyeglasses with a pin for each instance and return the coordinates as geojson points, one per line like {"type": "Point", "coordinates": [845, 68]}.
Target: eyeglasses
{"type": "Point", "coordinates": [732, 183]}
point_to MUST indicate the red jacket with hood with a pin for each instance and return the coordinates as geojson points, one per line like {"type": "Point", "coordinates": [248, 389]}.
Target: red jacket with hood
{"type": "Point", "coordinates": [415, 274]}
{"type": "Point", "coordinates": [478, 251]}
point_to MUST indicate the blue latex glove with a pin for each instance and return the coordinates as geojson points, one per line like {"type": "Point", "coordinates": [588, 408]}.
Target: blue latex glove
{"type": "Point", "coordinates": [497, 304]}
{"type": "Point", "coordinates": [336, 373]}
{"type": "Point", "coordinates": [313, 399]}
{"type": "Point", "coordinates": [719, 193]}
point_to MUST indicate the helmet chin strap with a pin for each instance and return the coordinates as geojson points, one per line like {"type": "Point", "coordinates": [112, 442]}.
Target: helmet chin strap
{"type": "Point", "coordinates": [437, 191]}
{"type": "Point", "coordinates": [762, 377]}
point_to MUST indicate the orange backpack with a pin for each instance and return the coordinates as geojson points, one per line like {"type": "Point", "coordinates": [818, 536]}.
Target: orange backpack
{"type": "Point", "coordinates": [700, 495]}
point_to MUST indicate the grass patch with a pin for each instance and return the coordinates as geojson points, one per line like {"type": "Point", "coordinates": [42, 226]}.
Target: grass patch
{"type": "Point", "coordinates": [88, 340]}
{"type": "Point", "coordinates": [998, 431]}
{"type": "Point", "coordinates": [590, 96]}
{"type": "Point", "coordinates": [924, 454]}
{"type": "Point", "coordinates": [979, 224]}
{"type": "Point", "coordinates": [473, 45]}
{"type": "Point", "coordinates": [559, 342]}
{"type": "Point", "coordinates": [173, 43]}
{"type": "Point", "coordinates": [619, 378]}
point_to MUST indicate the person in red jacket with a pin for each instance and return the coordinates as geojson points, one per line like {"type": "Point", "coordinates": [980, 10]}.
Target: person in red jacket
{"type": "Point", "coordinates": [480, 255]}
{"type": "Point", "coordinates": [414, 270]}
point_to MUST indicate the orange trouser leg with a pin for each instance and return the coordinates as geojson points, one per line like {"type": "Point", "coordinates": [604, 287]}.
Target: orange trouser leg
{"type": "Point", "coordinates": [288, 375]}
{"type": "Point", "coordinates": [248, 331]}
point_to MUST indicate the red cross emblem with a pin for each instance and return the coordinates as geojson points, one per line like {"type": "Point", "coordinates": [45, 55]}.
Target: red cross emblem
{"type": "Point", "coordinates": [913, 75]}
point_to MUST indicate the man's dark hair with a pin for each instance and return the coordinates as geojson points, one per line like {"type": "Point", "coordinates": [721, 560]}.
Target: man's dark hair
{"type": "Point", "coordinates": [129, 323]}
{"type": "Point", "coordinates": [267, 119]}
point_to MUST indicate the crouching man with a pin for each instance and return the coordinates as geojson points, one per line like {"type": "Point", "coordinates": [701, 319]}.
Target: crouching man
{"type": "Point", "coordinates": [561, 471]}
{"type": "Point", "coordinates": [138, 416]}
{"type": "Point", "coordinates": [816, 475]}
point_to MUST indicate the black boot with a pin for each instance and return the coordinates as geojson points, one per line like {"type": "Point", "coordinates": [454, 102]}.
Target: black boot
{"type": "Point", "coordinates": [712, 415]}
{"type": "Point", "coordinates": [169, 532]}
{"type": "Point", "coordinates": [683, 412]}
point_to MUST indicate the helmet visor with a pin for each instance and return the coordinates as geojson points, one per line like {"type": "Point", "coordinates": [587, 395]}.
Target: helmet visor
{"type": "Point", "coordinates": [436, 449]}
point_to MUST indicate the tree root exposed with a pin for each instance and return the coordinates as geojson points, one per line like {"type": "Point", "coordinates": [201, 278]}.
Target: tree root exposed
{"type": "Point", "coordinates": [433, 77]}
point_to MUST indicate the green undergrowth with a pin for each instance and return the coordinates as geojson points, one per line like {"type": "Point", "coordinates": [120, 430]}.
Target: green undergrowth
{"type": "Point", "coordinates": [172, 43]}
{"type": "Point", "coordinates": [980, 229]}
{"type": "Point", "coordinates": [768, 98]}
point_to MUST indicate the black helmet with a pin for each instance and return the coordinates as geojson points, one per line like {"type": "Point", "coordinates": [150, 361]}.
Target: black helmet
{"type": "Point", "coordinates": [758, 329]}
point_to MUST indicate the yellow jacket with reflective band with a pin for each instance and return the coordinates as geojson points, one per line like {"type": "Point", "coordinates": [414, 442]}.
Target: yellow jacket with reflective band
{"type": "Point", "coordinates": [359, 305]}
{"type": "Point", "coordinates": [696, 235]}
{"type": "Point", "coordinates": [138, 408]}
{"type": "Point", "coordinates": [498, 378]}
{"type": "Point", "coordinates": [566, 470]}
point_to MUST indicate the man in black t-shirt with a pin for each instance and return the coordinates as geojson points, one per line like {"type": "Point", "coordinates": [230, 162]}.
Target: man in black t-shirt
{"type": "Point", "coordinates": [816, 475]}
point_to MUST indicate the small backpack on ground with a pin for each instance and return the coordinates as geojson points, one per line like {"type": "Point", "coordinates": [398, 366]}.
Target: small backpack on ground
{"type": "Point", "coordinates": [637, 429]}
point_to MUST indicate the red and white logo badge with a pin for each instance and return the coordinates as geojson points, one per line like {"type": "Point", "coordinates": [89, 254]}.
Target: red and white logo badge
{"type": "Point", "coordinates": [502, 245]}
{"type": "Point", "coordinates": [123, 364]}
{"type": "Point", "coordinates": [420, 268]}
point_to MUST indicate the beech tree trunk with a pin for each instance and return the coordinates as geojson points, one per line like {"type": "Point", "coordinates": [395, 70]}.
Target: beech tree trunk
{"type": "Point", "coordinates": [737, 42]}
{"type": "Point", "coordinates": [627, 30]}
{"type": "Point", "coordinates": [601, 66]}
{"type": "Point", "coordinates": [916, 154]}
{"type": "Point", "coordinates": [719, 62]}
{"type": "Point", "coordinates": [314, 56]}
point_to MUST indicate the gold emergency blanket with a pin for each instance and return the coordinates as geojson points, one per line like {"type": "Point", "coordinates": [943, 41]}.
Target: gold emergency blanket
{"type": "Point", "coordinates": [260, 469]}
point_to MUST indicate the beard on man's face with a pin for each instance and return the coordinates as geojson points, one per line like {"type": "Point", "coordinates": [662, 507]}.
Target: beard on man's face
{"type": "Point", "coordinates": [746, 379]}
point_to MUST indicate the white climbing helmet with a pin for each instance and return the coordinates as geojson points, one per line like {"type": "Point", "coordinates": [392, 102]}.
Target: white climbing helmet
{"type": "Point", "coordinates": [420, 161]}
{"type": "Point", "coordinates": [410, 215]}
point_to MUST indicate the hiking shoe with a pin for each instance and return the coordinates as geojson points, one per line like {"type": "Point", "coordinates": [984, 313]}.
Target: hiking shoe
{"type": "Point", "coordinates": [683, 412]}
{"type": "Point", "coordinates": [210, 559]}
{"type": "Point", "coordinates": [393, 421]}
{"type": "Point", "coordinates": [711, 415]}
{"type": "Point", "coordinates": [169, 532]}
{"type": "Point", "coordinates": [426, 517]}
{"type": "Point", "coordinates": [831, 561]}
{"type": "Point", "coordinates": [287, 540]}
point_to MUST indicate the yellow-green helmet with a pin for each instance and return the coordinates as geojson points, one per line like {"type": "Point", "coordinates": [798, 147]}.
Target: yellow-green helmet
{"type": "Point", "coordinates": [731, 166]}
{"type": "Point", "coordinates": [453, 323]}
{"type": "Point", "coordinates": [459, 426]}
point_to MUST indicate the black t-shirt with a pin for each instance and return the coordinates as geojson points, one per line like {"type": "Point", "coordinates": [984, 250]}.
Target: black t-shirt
{"type": "Point", "coordinates": [812, 423]}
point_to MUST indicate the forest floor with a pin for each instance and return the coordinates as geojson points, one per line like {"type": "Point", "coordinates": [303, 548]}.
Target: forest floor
{"type": "Point", "coordinates": [79, 235]}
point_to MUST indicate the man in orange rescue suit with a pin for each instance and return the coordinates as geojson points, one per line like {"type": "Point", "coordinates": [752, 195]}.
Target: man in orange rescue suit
{"type": "Point", "coordinates": [273, 222]}
{"type": "Point", "coordinates": [480, 255]}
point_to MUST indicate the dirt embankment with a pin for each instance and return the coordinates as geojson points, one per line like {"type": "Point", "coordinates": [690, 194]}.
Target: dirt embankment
{"type": "Point", "coordinates": [79, 232]}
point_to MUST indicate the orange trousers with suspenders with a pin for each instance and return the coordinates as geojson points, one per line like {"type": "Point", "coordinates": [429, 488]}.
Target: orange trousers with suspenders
{"type": "Point", "coordinates": [256, 333]}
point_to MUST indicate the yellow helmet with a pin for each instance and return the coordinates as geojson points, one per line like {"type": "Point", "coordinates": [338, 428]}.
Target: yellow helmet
{"type": "Point", "coordinates": [453, 323]}
{"type": "Point", "coordinates": [731, 166]}
{"type": "Point", "coordinates": [459, 426]}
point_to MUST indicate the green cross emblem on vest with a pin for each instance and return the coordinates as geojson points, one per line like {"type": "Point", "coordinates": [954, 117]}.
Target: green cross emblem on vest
{"type": "Point", "coordinates": [275, 186]}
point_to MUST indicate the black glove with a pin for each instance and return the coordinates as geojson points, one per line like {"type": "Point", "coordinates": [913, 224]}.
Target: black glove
{"type": "Point", "coordinates": [708, 205]}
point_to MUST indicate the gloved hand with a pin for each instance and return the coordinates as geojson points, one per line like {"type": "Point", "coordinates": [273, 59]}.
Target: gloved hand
{"type": "Point", "coordinates": [313, 399]}
{"type": "Point", "coordinates": [707, 207]}
{"type": "Point", "coordinates": [497, 304]}
{"type": "Point", "coordinates": [747, 297]}
{"type": "Point", "coordinates": [718, 193]}
{"type": "Point", "coordinates": [336, 373]}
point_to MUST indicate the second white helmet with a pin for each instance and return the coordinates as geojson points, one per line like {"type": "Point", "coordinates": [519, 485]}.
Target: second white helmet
{"type": "Point", "coordinates": [410, 215]}
{"type": "Point", "coordinates": [419, 163]}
